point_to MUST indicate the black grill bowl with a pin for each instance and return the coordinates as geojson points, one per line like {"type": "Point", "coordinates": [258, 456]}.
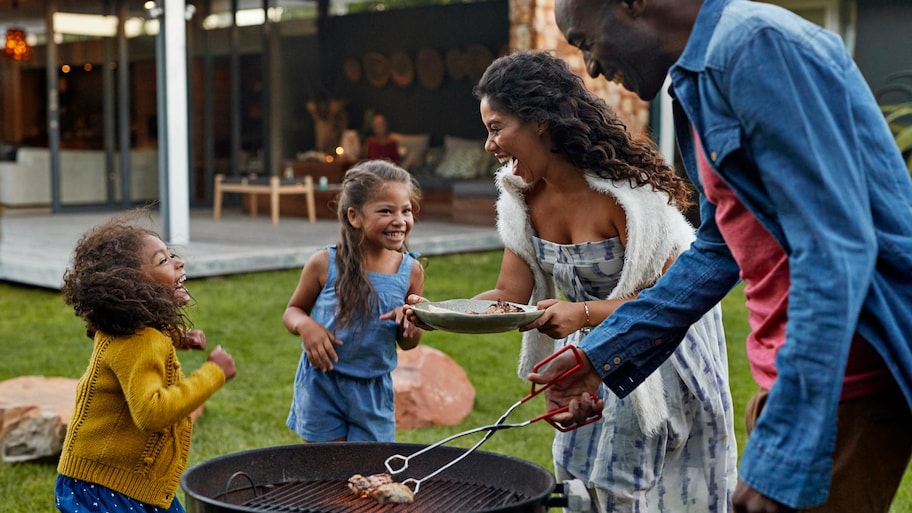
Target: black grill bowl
{"type": "Point", "coordinates": [311, 478]}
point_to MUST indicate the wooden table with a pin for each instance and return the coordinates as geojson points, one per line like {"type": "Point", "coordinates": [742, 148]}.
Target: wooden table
{"type": "Point", "coordinates": [274, 186]}
{"type": "Point", "coordinates": [334, 172]}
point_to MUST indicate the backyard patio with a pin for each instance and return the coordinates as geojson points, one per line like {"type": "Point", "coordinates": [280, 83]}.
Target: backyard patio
{"type": "Point", "coordinates": [35, 246]}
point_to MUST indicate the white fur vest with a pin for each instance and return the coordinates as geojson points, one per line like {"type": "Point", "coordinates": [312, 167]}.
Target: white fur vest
{"type": "Point", "coordinates": [656, 231]}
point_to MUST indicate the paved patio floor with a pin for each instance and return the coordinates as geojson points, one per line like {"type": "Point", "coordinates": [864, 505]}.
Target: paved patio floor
{"type": "Point", "coordinates": [36, 246]}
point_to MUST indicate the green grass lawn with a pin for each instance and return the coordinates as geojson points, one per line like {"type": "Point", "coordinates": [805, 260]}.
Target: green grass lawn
{"type": "Point", "coordinates": [39, 335]}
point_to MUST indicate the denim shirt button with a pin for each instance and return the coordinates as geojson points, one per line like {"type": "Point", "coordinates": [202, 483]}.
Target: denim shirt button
{"type": "Point", "coordinates": [617, 360]}
{"type": "Point", "coordinates": [657, 342]}
{"type": "Point", "coordinates": [607, 367]}
{"type": "Point", "coordinates": [713, 156]}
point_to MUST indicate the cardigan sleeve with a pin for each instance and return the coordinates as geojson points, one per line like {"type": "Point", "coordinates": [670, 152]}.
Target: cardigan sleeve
{"type": "Point", "coordinates": [155, 388]}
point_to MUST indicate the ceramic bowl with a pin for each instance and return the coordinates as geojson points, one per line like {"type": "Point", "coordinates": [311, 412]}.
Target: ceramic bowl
{"type": "Point", "coordinates": [455, 315]}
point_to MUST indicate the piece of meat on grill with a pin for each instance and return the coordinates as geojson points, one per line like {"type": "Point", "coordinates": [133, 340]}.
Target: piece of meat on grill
{"type": "Point", "coordinates": [381, 488]}
{"type": "Point", "coordinates": [363, 485]}
{"type": "Point", "coordinates": [392, 493]}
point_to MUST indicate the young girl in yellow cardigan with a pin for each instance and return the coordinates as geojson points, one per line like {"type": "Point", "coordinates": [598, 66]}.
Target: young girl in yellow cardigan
{"type": "Point", "coordinates": [127, 443]}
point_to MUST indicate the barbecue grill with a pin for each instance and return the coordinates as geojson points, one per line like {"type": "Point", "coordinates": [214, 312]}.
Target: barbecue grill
{"type": "Point", "coordinates": [312, 478]}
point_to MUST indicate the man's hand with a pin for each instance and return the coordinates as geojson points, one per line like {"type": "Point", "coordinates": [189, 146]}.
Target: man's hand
{"type": "Point", "coordinates": [747, 500]}
{"type": "Point", "coordinates": [574, 390]}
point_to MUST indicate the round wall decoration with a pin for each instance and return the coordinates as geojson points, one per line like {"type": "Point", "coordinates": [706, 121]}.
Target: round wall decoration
{"type": "Point", "coordinates": [478, 58]}
{"type": "Point", "coordinates": [401, 68]}
{"type": "Point", "coordinates": [429, 66]}
{"type": "Point", "coordinates": [351, 68]}
{"type": "Point", "coordinates": [376, 69]}
{"type": "Point", "coordinates": [456, 64]}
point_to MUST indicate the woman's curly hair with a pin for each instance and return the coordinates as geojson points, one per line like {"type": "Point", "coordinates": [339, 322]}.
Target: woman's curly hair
{"type": "Point", "coordinates": [537, 87]}
{"type": "Point", "coordinates": [107, 288]}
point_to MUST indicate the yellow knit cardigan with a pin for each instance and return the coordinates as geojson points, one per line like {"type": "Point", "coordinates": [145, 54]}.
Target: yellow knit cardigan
{"type": "Point", "coordinates": [131, 424]}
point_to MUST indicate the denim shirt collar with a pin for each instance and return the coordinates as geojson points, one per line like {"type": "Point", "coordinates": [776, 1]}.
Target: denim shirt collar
{"type": "Point", "coordinates": [693, 59]}
{"type": "Point", "coordinates": [685, 90]}
{"type": "Point", "coordinates": [694, 56]}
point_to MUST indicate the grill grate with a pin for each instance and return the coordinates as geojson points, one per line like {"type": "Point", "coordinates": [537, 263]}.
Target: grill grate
{"type": "Point", "coordinates": [333, 496]}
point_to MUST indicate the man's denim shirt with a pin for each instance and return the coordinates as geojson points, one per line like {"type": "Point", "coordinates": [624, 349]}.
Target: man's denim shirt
{"type": "Point", "coordinates": [788, 122]}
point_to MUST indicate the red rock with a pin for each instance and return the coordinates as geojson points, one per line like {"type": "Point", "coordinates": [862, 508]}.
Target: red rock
{"type": "Point", "coordinates": [431, 389]}
{"type": "Point", "coordinates": [34, 414]}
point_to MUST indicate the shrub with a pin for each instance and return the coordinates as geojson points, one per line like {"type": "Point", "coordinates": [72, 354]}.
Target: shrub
{"type": "Point", "coordinates": [898, 111]}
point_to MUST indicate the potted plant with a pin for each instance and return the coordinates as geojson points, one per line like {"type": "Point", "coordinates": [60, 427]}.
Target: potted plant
{"type": "Point", "coordinates": [898, 111]}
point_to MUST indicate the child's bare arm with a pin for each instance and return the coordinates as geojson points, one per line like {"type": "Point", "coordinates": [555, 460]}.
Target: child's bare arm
{"type": "Point", "coordinates": [318, 342]}
{"type": "Point", "coordinates": [311, 282]}
{"type": "Point", "coordinates": [408, 334]}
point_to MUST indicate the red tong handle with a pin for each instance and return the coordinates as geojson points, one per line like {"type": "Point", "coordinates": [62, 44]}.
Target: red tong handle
{"type": "Point", "coordinates": [549, 417]}
{"type": "Point", "coordinates": [571, 370]}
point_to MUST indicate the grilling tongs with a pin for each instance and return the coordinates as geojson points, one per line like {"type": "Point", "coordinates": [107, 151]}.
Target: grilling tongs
{"type": "Point", "coordinates": [500, 424]}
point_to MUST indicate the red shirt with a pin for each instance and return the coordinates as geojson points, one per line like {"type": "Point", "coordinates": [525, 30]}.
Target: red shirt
{"type": "Point", "coordinates": [765, 273]}
{"type": "Point", "coordinates": [386, 150]}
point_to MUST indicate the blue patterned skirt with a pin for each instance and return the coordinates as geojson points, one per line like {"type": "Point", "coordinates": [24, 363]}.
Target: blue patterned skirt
{"type": "Point", "coordinates": [76, 496]}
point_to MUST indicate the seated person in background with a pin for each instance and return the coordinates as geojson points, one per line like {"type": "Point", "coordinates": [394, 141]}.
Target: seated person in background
{"type": "Point", "coordinates": [381, 145]}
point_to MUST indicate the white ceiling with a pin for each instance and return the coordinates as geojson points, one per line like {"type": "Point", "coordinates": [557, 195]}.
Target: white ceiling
{"type": "Point", "coordinates": [31, 14]}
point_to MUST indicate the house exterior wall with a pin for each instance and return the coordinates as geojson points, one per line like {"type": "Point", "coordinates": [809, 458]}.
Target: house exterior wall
{"type": "Point", "coordinates": [476, 32]}
{"type": "Point", "coordinates": [882, 44]}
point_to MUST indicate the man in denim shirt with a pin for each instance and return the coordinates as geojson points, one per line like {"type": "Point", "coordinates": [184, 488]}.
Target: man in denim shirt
{"type": "Point", "coordinates": [804, 196]}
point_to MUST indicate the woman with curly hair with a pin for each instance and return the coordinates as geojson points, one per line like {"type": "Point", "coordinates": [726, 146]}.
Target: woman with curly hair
{"type": "Point", "coordinates": [590, 216]}
{"type": "Point", "coordinates": [127, 443]}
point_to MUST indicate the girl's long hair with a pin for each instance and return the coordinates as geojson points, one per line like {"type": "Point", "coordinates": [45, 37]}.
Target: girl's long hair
{"type": "Point", "coordinates": [354, 291]}
{"type": "Point", "coordinates": [107, 288]}
{"type": "Point", "coordinates": [538, 87]}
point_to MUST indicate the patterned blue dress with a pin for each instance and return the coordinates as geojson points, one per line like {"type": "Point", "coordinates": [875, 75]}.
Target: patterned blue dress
{"type": "Point", "coordinates": [687, 467]}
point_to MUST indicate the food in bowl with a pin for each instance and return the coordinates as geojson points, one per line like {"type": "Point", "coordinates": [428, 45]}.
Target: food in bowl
{"type": "Point", "coordinates": [498, 307]}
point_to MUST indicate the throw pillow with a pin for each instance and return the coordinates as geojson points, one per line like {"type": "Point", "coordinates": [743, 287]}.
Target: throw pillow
{"type": "Point", "coordinates": [413, 149]}
{"type": "Point", "coordinates": [485, 163]}
{"type": "Point", "coordinates": [464, 162]}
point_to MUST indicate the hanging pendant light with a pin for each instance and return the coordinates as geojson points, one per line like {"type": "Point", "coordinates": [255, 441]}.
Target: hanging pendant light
{"type": "Point", "coordinates": [16, 47]}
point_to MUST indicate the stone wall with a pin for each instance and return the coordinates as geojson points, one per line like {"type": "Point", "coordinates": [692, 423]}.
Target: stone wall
{"type": "Point", "coordinates": [532, 26]}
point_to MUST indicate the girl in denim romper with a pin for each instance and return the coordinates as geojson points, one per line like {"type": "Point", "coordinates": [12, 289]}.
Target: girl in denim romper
{"type": "Point", "coordinates": [347, 311]}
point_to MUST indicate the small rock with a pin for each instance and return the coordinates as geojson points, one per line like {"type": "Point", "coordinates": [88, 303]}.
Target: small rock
{"type": "Point", "coordinates": [431, 389]}
{"type": "Point", "coordinates": [34, 413]}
